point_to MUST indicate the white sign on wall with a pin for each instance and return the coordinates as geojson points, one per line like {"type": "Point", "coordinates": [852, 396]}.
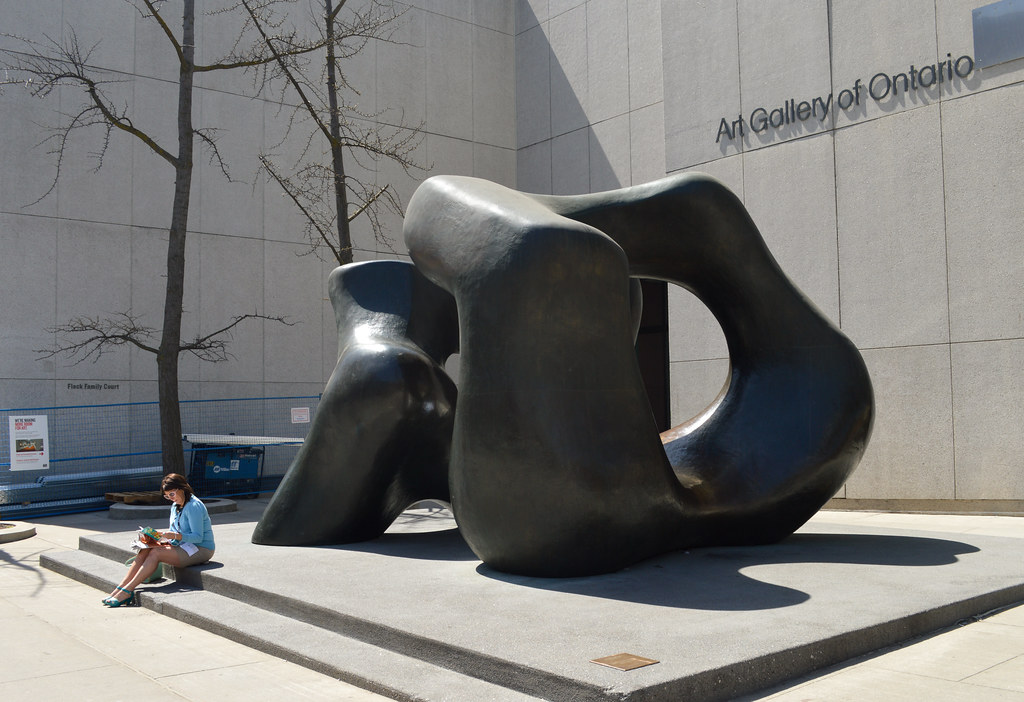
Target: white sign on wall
{"type": "Point", "coordinates": [30, 442]}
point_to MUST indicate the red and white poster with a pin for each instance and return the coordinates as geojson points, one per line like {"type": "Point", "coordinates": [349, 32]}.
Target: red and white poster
{"type": "Point", "coordinates": [30, 442]}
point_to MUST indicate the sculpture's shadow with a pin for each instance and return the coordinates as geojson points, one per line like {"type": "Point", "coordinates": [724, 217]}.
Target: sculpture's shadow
{"type": "Point", "coordinates": [715, 578]}
{"type": "Point", "coordinates": [724, 579]}
{"type": "Point", "coordinates": [440, 545]}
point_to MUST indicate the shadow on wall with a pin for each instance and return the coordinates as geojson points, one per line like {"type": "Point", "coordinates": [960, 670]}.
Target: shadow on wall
{"type": "Point", "coordinates": [579, 162]}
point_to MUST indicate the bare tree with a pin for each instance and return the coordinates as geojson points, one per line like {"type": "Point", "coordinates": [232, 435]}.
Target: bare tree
{"type": "Point", "coordinates": [329, 194]}
{"type": "Point", "coordinates": [44, 66]}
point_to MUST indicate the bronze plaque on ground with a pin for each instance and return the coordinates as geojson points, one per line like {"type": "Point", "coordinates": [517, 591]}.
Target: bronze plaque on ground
{"type": "Point", "coordinates": [624, 661]}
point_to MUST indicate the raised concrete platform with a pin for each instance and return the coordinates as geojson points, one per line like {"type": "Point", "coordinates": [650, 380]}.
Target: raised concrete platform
{"type": "Point", "coordinates": [148, 513]}
{"type": "Point", "coordinates": [414, 615]}
{"type": "Point", "coordinates": [15, 531]}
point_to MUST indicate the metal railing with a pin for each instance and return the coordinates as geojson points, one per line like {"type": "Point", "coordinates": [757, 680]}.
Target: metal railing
{"type": "Point", "coordinates": [66, 459]}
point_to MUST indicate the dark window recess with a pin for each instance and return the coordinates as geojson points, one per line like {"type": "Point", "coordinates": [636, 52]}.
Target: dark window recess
{"type": "Point", "coordinates": [652, 349]}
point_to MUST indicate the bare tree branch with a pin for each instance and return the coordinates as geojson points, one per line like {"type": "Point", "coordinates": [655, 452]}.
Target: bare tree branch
{"type": "Point", "coordinates": [213, 346]}
{"type": "Point", "coordinates": [252, 56]}
{"type": "Point", "coordinates": [172, 40]}
{"type": "Point", "coordinates": [206, 137]}
{"type": "Point", "coordinates": [334, 13]}
{"type": "Point", "coordinates": [322, 233]}
{"type": "Point", "coordinates": [280, 59]}
{"type": "Point", "coordinates": [329, 198]}
{"type": "Point", "coordinates": [101, 336]}
{"type": "Point", "coordinates": [124, 328]}
{"type": "Point", "coordinates": [60, 63]}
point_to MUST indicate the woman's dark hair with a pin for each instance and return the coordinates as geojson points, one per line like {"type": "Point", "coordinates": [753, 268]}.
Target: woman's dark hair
{"type": "Point", "coordinates": [176, 481]}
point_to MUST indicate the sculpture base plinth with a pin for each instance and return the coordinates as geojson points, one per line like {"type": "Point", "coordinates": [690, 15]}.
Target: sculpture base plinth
{"type": "Point", "coordinates": [415, 614]}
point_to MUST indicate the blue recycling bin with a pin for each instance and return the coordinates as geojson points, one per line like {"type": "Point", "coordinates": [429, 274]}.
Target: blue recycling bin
{"type": "Point", "coordinates": [225, 470]}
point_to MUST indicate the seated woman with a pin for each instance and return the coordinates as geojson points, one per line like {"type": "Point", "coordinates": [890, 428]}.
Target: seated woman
{"type": "Point", "coordinates": [188, 541]}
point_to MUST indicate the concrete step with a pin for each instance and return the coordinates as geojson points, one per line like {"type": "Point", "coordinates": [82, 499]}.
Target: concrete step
{"type": "Point", "coordinates": [474, 664]}
{"type": "Point", "coordinates": [244, 617]}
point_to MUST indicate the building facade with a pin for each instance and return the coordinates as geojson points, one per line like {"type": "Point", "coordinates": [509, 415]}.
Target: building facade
{"type": "Point", "coordinates": [879, 159]}
{"type": "Point", "coordinates": [875, 145]}
{"type": "Point", "coordinates": [97, 244]}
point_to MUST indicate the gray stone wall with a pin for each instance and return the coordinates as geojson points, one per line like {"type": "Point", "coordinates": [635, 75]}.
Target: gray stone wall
{"type": "Point", "coordinates": [899, 217]}
{"type": "Point", "coordinates": [97, 243]}
{"type": "Point", "coordinates": [588, 94]}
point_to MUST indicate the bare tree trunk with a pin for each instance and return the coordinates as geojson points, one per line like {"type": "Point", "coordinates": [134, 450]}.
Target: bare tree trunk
{"type": "Point", "coordinates": [172, 454]}
{"type": "Point", "coordinates": [337, 158]}
{"type": "Point", "coordinates": [46, 66]}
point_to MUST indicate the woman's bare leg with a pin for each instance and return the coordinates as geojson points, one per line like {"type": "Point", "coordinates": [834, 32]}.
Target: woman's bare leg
{"type": "Point", "coordinates": [145, 567]}
{"type": "Point", "coordinates": [140, 559]}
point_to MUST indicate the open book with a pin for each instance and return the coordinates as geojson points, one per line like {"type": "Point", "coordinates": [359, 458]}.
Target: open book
{"type": "Point", "coordinates": [148, 537]}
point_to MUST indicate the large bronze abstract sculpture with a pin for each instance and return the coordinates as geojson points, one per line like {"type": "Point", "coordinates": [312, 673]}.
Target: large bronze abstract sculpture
{"type": "Point", "coordinates": [380, 438]}
{"type": "Point", "coordinates": [550, 456]}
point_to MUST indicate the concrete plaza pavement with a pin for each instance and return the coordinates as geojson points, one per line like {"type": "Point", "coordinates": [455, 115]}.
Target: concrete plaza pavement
{"type": "Point", "coordinates": [61, 641]}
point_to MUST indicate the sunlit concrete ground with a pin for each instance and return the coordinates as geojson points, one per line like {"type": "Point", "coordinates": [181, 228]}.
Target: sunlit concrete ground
{"type": "Point", "coordinates": [60, 642]}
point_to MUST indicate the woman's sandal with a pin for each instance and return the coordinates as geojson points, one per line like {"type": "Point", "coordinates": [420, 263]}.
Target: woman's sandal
{"type": "Point", "coordinates": [114, 602]}
{"type": "Point", "coordinates": [112, 596]}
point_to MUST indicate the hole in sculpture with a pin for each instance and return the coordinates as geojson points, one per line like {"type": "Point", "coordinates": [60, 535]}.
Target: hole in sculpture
{"type": "Point", "coordinates": [698, 355]}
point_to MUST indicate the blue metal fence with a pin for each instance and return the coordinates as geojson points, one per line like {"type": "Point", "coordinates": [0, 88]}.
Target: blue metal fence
{"type": "Point", "coordinates": [87, 451]}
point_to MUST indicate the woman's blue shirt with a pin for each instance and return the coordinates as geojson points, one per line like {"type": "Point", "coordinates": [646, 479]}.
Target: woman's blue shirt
{"type": "Point", "coordinates": [192, 521]}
